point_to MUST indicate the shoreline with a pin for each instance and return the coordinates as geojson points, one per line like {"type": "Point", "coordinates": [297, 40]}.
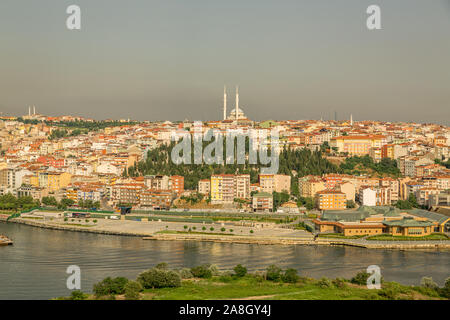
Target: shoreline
{"type": "Point", "coordinates": [392, 245]}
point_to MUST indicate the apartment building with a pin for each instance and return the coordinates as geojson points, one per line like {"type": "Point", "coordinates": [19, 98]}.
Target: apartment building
{"type": "Point", "coordinates": [226, 187]}
{"type": "Point", "coordinates": [310, 185]}
{"type": "Point", "coordinates": [262, 202]}
{"type": "Point", "coordinates": [357, 145]}
{"type": "Point", "coordinates": [204, 186]}
{"type": "Point", "coordinates": [330, 200]}
{"type": "Point", "coordinates": [156, 199]}
{"type": "Point", "coordinates": [275, 182]}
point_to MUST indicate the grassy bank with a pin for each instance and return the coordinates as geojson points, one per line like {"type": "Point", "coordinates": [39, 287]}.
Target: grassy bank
{"type": "Point", "coordinates": [206, 282]}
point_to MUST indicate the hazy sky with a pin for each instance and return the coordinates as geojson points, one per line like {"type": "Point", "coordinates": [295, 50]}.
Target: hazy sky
{"type": "Point", "coordinates": [169, 59]}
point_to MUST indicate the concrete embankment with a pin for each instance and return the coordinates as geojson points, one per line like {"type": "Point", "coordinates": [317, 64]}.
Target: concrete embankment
{"type": "Point", "coordinates": [254, 239]}
{"type": "Point", "coordinates": [298, 241]}
{"type": "Point", "coordinates": [92, 229]}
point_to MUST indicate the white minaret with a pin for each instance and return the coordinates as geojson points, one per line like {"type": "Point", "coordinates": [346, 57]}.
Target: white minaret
{"type": "Point", "coordinates": [224, 103]}
{"type": "Point", "coordinates": [351, 119]}
{"type": "Point", "coordinates": [29, 111]}
{"type": "Point", "coordinates": [34, 110]}
{"type": "Point", "coordinates": [237, 102]}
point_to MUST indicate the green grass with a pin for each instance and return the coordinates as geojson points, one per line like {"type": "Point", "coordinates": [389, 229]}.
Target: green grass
{"type": "Point", "coordinates": [256, 288]}
{"type": "Point", "coordinates": [78, 225]}
{"type": "Point", "coordinates": [386, 237]}
{"type": "Point", "coordinates": [196, 232]}
{"type": "Point", "coordinates": [339, 236]}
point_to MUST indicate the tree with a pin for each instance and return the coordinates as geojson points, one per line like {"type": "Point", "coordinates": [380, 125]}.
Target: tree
{"type": "Point", "coordinates": [240, 271]}
{"type": "Point", "coordinates": [110, 286]}
{"type": "Point", "coordinates": [49, 201]}
{"type": "Point", "coordinates": [202, 271]}
{"type": "Point", "coordinates": [132, 290]}
{"type": "Point", "coordinates": [350, 204]}
{"type": "Point", "coordinates": [290, 276]}
{"type": "Point", "coordinates": [159, 278]}
{"type": "Point", "coordinates": [360, 278]}
{"type": "Point", "coordinates": [273, 273]}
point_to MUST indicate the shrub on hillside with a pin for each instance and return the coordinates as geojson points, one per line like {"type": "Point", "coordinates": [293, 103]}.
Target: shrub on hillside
{"type": "Point", "coordinates": [427, 282]}
{"type": "Point", "coordinates": [162, 266]}
{"type": "Point", "coordinates": [202, 271]}
{"type": "Point", "coordinates": [132, 290]}
{"type": "Point", "coordinates": [273, 273]}
{"type": "Point", "coordinates": [290, 276]}
{"type": "Point", "coordinates": [159, 278]}
{"type": "Point", "coordinates": [110, 286]}
{"type": "Point", "coordinates": [78, 295]}
{"type": "Point", "coordinates": [325, 283]}
{"type": "Point", "coordinates": [339, 283]}
{"type": "Point", "coordinates": [185, 273]}
{"type": "Point", "coordinates": [240, 271]}
{"type": "Point", "coordinates": [360, 278]}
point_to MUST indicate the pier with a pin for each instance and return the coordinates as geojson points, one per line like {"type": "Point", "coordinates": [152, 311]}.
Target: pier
{"type": "Point", "coordinates": [5, 241]}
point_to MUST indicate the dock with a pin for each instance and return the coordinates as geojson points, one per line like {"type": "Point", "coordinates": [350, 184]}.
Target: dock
{"type": "Point", "coordinates": [5, 241]}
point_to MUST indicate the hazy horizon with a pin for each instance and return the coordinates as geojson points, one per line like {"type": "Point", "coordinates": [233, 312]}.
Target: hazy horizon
{"type": "Point", "coordinates": [169, 60]}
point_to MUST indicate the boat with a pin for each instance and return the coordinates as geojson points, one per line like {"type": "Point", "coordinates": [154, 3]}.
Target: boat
{"type": "Point", "coordinates": [5, 241]}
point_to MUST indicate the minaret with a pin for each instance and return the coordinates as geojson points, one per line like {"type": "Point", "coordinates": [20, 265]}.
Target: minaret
{"type": "Point", "coordinates": [351, 119]}
{"type": "Point", "coordinates": [29, 111]}
{"type": "Point", "coordinates": [224, 103]}
{"type": "Point", "coordinates": [34, 110]}
{"type": "Point", "coordinates": [237, 102]}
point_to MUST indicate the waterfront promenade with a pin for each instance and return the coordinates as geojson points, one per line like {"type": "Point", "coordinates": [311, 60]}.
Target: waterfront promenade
{"type": "Point", "coordinates": [159, 230]}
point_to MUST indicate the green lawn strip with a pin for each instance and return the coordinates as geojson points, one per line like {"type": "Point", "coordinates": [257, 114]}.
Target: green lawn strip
{"type": "Point", "coordinates": [194, 232]}
{"type": "Point", "coordinates": [339, 236]}
{"type": "Point", "coordinates": [385, 237]}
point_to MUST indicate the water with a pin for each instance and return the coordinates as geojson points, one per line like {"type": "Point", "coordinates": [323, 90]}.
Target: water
{"type": "Point", "coordinates": [35, 266]}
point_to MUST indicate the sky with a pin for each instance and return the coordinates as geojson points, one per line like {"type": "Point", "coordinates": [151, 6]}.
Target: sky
{"type": "Point", "coordinates": [170, 59]}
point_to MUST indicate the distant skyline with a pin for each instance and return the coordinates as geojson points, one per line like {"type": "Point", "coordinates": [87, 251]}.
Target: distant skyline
{"type": "Point", "coordinates": [169, 60]}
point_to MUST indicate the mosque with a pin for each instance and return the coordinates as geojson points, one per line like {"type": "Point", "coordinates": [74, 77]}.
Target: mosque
{"type": "Point", "coordinates": [236, 115]}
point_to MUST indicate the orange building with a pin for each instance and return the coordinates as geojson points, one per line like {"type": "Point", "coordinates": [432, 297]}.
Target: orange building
{"type": "Point", "coordinates": [330, 200]}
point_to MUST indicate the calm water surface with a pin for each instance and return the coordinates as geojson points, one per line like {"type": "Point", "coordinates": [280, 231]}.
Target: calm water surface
{"type": "Point", "coordinates": [35, 266]}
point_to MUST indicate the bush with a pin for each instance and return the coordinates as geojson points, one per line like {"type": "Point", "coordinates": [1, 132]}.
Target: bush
{"type": "Point", "coordinates": [78, 295]}
{"type": "Point", "coordinates": [162, 266]}
{"type": "Point", "coordinates": [445, 291]}
{"type": "Point", "coordinates": [203, 228]}
{"type": "Point", "coordinates": [211, 229]}
{"type": "Point", "coordinates": [159, 278]}
{"type": "Point", "coordinates": [427, 282]}
{"type": "Point", "coordinates": [290, 276]}
{"type": "Point", "coordinates": [110, 286]}
{"type": "Point", "coordinates": [202, 271]}
{"type": "Point", "coordinates": [222, 229]}
{"type": "Point", "coordinates": [388, 293]}
{"type": "Point", "coordinates": [251, 231]}
{"type": "Point", "coordinates": [185, 273]}
{"type": "Point", "coordinates": [95, 220]}
{"type": "Point", "coordinates": [231, 230]}
{"type": "Point", "coordinates": [132, 289]}
{"type": "Point", "coordinates": [325, 283]}
{"type": "Point", "coordinates": [185, 227]}
{"type": "Point", "coordinates": [273, 273]}
{"type": "Point", "coordinates": [339, 283]}
{"type": "Point", "coordinates": [214, 270]}
{"type": "Point", "coordinates": [66, 219]}
{"type": "Point", "coordinates": [226, 278]}
{"type": "Point", "coordinates": [360, 278]}
{"type": "Point", "coordinates": [240, 271]}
